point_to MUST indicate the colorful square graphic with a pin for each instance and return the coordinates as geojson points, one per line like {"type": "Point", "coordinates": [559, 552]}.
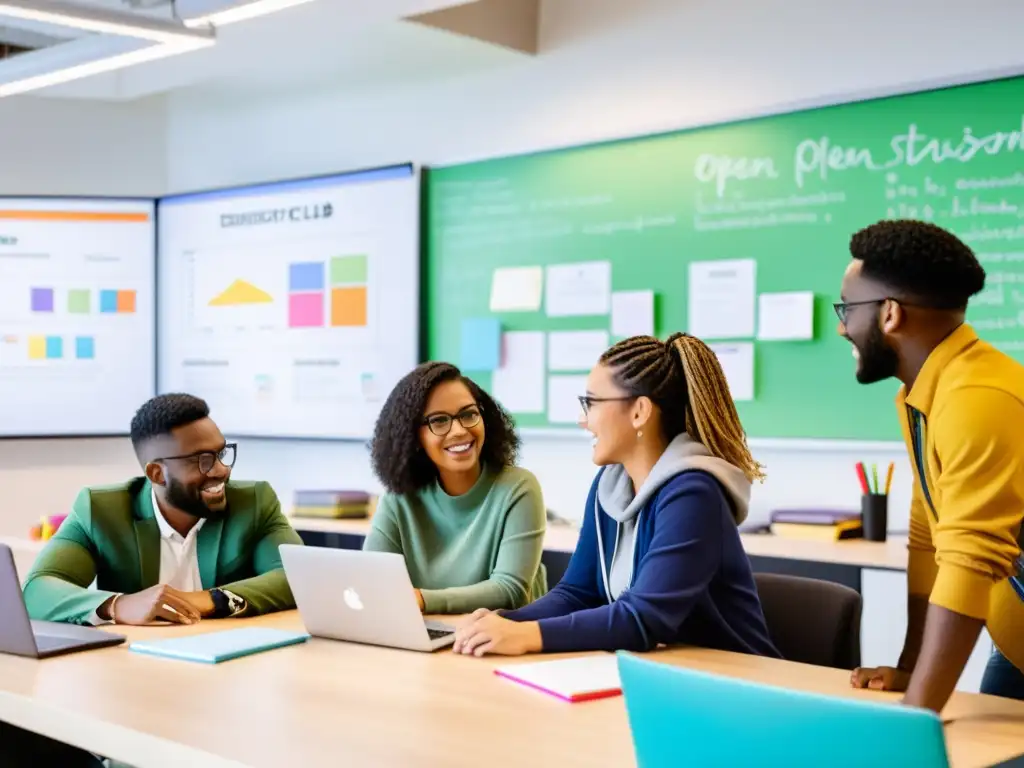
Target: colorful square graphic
{"type": "Point", "coordinates": [348, 269]}
{"type": "Point", "coordinates": [126, 302]}
{"type": "Point", "coordinates": [108, 302]}
{"type": "Point", "coordinates": [54, 347]}
{"type": "Point", "coordinates": [306, 276]}
{"type": "Point", "coordinates": [42, 299]}
{"type": "Point", "coordinates": [85, 348]}
{"type": "Point", "coordinates": [79, 301]}
{"type": "Point", "coordinates": [306, 310]}
{"type": "Point", "coordinates": [348, 306]}
{"type": "Point", "coordinates": [36, 347]}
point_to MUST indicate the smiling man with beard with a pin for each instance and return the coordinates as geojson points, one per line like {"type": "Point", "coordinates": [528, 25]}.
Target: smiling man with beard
{"type": "Point", "coordinates": [180, 544]}
{"type": "Point", "coordinates": [961, 407]}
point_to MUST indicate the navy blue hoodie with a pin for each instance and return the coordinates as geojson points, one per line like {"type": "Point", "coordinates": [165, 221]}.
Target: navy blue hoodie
{"type": "Point", "coordinates": [686, 579]}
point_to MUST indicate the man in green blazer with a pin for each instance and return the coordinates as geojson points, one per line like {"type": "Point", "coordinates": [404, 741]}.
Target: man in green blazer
{"type": "Point", "coordinates": [180, 544]}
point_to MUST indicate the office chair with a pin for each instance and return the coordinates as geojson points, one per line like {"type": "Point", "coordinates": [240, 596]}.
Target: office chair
{"type": "Point", "coordinates": [812, 621]}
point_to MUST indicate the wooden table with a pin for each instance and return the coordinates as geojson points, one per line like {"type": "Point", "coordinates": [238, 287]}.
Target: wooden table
{"type": "Point", "coordinates": [839, 561]}
{"type": "Point", "coordinates": [327, 703]}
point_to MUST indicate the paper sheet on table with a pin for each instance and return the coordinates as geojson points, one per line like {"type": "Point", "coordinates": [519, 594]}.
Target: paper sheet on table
{"type": "Point", "coordinates": [575, 350]}
{"type": "Point", "coordinates": [632, 313]}
{"type": "Point", "coordinates": [564, 398]}
{"type": "Point", "coordinates": [578, 289]}
{"type": "Point", "coordinates": [516, 289]}
{"type": "Point", "coordinates": [480, 348]}
{"type": "Point", "coordinates": [722, 299]}
{"type": "Point", "coordinates": [737, 362]}
{"type": "Point", "coordinates": [786, 316]}
{"type": "Point", "coordinates": [518, 383]}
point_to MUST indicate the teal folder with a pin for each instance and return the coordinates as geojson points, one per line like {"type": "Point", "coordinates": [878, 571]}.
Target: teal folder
{"type": "Point", "coordinates": [215, 647]}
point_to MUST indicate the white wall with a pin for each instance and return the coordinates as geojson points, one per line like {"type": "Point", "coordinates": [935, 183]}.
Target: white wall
{"type": "Point", "coordinates": [609, 69]}
{"type": "Point", "coordinates": [50, 147]}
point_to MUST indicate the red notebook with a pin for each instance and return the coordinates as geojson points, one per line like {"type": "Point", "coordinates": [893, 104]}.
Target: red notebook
{"type": "Point", "coordinates": [580, 679]}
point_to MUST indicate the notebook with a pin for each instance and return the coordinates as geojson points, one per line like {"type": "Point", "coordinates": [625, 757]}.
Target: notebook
{"type": "Point", "coordinates": [215, 647]}
{"type": "Point", "coordinates": [580, 679]}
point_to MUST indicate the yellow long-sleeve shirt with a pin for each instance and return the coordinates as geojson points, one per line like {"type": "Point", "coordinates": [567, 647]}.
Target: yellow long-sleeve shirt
{"type": "Point", "coordinates": [963, 422]}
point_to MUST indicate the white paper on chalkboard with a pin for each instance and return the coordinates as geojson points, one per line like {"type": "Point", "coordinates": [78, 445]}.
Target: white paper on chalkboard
{"type": "Point", "coordinates": [722, 299]}
{"type": "Point", "coordinates": [516, 289]}
{"type": "Point", "coordinates": [737, 361]}
{"type": "Point", "coordinates": [579, 289]}
{"type": "Point", "coordinates": [575, 350]}
{"type": "Point", "coordinates": [786, 316]}
{"type": "Point", "coordinates": [632, 313]}
{"type": "Point", "coordinates": [563, 398]}
{"type": "Point", "coordinates": [518, 383]}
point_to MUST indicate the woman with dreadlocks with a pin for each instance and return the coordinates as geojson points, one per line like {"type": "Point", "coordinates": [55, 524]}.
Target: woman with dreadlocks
{"type": "Point", "coordinates": [659, 559]}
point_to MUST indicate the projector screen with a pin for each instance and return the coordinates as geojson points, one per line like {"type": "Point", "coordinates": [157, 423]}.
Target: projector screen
{"type": "Point", "coordinates": [292, 308]}
{"type": "Point", "coordinates": [77, 319]}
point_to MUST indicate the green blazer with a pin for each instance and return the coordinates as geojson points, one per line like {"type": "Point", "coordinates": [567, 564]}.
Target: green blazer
{"type": "Point", "coordinates": [111, 535]}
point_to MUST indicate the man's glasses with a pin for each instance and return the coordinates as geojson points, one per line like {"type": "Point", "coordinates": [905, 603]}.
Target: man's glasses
{"type": "Point", "coordinates": [207, 460]}
{"type": "Point", "coordinates": [441, 423]}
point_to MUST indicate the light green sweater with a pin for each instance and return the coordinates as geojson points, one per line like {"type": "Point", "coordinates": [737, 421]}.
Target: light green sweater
{"type": "Point", "coordinates": [478, 550]}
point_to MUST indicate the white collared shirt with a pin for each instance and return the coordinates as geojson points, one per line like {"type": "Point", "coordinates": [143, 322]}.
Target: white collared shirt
{"type": "Point", "coordinates": [179, 556]}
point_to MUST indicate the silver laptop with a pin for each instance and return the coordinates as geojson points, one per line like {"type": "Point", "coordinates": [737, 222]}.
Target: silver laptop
{"type": "Point", "coordinates": [362, 597]}
{"type": "Point", "coordinates": [38, 639]}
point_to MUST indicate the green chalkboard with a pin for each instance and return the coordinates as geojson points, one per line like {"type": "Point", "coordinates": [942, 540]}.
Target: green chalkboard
{"type": "Point", "coordinates": [786, 191]}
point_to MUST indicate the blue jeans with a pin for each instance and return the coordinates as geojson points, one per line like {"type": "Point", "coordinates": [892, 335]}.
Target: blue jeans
{"type": "Point", "coordinates": [1002, 678]}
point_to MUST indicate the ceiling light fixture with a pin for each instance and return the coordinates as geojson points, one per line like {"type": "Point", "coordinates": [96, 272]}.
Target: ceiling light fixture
{"type": "Point", "coordinates": [250, 10]}
{"type": "Point", "coordinates": [95, 67]}
{"type": "Point", "coordinates": [94, 55]}
{"type": "Point", "coordinates": [96, 20]}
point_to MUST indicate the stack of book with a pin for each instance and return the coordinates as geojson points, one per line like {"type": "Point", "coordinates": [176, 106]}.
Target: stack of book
{"type": "Point", "coordinates": [817, 524]}
{"type": "Point", "coordinates": [336, 505]}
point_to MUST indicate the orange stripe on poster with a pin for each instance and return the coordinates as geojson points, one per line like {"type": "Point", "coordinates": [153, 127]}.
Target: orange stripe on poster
{"type": "Point", "coordinates": [73, 216]}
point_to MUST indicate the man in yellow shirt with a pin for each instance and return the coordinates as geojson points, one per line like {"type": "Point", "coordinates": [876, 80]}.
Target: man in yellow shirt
{"type": "Point", "coordinates": [961, 406]}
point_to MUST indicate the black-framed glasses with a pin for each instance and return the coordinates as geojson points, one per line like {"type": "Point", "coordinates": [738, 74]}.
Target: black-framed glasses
{"type": "Point", "coordinates": [587, 401]}
{"type": "Point", "coordinates": [441, 423]}
{"type": "Point", "coordinates": [207, 460]}
{"type": "Point", "coordinates": [842, 308]}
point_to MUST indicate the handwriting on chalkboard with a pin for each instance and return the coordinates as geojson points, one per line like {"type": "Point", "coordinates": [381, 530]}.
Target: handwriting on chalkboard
{"type": "Point", "coordinates": [822, 157]}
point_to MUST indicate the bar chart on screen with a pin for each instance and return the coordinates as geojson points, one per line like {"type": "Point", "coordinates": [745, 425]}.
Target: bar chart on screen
{"type": "Point", "coordinates": [76, 314]}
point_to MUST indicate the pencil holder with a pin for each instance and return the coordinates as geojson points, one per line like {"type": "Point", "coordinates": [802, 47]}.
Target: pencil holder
{"type": "Point", "coordinates": [874, 513]}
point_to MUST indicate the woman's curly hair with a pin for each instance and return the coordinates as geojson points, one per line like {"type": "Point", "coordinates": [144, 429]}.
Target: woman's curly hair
{"type": "Point", "coordinates": [396, 452]}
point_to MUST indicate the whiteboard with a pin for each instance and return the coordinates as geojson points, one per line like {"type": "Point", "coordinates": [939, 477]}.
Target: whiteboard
{"type": "Point", "coordinates": [77, 315]}
{"type": "Point", "coordinates": [292, 308]}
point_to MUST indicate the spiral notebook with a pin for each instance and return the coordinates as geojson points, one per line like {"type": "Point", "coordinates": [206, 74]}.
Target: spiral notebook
{"type": "Point", "coordinates": [215, 647]}
{"type": "Point", "coordinates": [579, 679]}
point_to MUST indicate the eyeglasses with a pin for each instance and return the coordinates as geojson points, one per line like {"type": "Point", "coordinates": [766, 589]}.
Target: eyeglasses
{"type": "Point", "coordinates": [441, 423]}
{"type": "Point", "coordinates": [207, 460]}
{"type": "Point", "coordinates": [842, 308]}
{"type": "Point", "coordinates": [587, 402]}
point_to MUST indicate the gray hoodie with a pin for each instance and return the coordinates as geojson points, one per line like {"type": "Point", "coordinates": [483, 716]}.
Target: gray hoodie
{"type": "Point", "coordinates": [615, 495]}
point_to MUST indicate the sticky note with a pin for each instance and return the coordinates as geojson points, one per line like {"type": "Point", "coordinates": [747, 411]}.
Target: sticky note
{"type": "Point", "coordinates": [108, 302]}
{"type": "Point", "coordinates": [85, 348]}
{"type": "Point", "coordinates": [348, 269]}
{"type": "Point", "coordinates": [480, 348]}
{"type": "Point", "coordinates": [79, 302]}
{"type": "Point", "coordinates": [305, 310]}
{"type": "Point", "coordinates": [348, 307]}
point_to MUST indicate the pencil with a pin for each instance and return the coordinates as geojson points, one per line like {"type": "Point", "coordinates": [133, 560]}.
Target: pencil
{"type": "Point", "coordinates": [874, 477]}
{"type": "Point", "coordinates": [888, 479]}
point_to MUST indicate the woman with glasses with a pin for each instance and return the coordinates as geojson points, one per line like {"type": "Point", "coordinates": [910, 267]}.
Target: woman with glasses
{"type": "Point", "coordinates": [659, 559]}
{"type": "Point", "coordinates": [469, 523]}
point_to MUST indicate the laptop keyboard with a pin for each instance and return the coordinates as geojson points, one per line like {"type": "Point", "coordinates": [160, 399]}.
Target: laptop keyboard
{"type": "Point", "coordinates": [436, 631]}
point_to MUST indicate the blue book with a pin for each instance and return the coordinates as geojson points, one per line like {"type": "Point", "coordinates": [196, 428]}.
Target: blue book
{"type": "Point", "coordinates": [215, 647]}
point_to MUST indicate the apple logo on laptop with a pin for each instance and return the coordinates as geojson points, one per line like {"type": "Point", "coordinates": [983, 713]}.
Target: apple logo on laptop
{"type": "Point", "coordinates": [352, 599]}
